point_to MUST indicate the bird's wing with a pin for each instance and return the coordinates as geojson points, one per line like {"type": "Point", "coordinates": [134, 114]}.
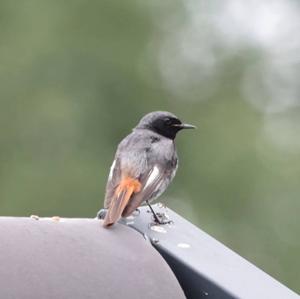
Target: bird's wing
{"type": "Point", "coordinates": [152, 184]}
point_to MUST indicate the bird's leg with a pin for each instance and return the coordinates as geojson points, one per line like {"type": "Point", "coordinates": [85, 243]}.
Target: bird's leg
{"type": "Point", "coordinates": [153, 213]}
{"type": "Point", "coordinates": [156, 217]}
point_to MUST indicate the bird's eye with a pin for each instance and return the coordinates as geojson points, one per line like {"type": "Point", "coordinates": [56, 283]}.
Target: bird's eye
{"type": "Point", "coordinates": [168, 121]}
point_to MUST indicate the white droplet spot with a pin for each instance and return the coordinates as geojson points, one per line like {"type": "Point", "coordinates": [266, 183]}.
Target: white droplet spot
{"type": "Point", "coordinates": [183, 245]}
{"type": "Point", "coordinates": [158, 229]}
{"type": "Point", "coordinates": [130, 217]}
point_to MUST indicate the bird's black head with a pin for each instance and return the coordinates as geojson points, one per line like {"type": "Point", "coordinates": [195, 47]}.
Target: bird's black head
{"type": "Point", "coordinates": [163, 123]}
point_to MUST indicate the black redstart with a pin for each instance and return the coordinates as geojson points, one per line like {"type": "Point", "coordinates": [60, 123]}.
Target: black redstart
{"type": "Point", "coordinates": [145, 163]}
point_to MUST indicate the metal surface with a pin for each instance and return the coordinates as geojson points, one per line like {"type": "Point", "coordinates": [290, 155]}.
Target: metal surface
{"type": "Point", "coordinates": [204, 267]}
{"type": "Point", "coordinates": [77, 258]}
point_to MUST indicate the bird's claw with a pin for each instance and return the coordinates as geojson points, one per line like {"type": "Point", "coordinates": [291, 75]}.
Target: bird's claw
{"type": "Point", "coordinates": [162, 219]}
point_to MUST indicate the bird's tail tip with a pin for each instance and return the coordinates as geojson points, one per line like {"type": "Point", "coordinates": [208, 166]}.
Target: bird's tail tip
{"type": "Point", "coordinates": [107, 224]}
{"type": "Point", "coordinates": [127, 187]}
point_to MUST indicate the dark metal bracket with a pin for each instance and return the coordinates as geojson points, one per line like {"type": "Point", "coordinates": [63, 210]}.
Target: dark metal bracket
{"type": "Point", "coordinates": [204, 267]}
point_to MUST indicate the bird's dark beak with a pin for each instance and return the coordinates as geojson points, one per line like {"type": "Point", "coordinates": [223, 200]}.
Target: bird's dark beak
{"type": "Point", "coordinates": [185, 126]}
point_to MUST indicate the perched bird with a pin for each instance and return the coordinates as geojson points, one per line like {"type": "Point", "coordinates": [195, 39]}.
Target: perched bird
{"type": "Point", "coordinates": [145, 163]}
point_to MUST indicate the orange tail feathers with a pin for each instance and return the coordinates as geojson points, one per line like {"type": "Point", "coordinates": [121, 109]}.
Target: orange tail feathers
{"type": "Point", "coordinates": [122, 195]}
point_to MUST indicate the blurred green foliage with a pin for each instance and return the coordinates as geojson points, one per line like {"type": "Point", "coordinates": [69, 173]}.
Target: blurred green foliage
{"type": "Point", "coordinates": [76, 76]}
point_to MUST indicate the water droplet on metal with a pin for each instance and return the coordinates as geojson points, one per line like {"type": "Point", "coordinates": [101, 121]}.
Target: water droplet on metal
{"type": "Point", "coordinates": [136, 213]}
{"type": "Point", "coordinates": [154, 240]}
{"type": "Point", "coordinates": [158, 229]}
{"type": "Point", "coordinates": [183, 245]}
{"type": "Point", "coordinates": [35, 217]}
{"type": "Point", "coordinates": [146, 237]}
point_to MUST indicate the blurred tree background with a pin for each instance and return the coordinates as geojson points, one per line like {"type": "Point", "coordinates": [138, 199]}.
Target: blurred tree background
{"type": "Point", "coordinates": [76, 76]}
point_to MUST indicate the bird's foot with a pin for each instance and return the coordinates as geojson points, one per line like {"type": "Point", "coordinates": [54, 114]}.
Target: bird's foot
{"type": "Point", "coordinates": [161, 218]}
